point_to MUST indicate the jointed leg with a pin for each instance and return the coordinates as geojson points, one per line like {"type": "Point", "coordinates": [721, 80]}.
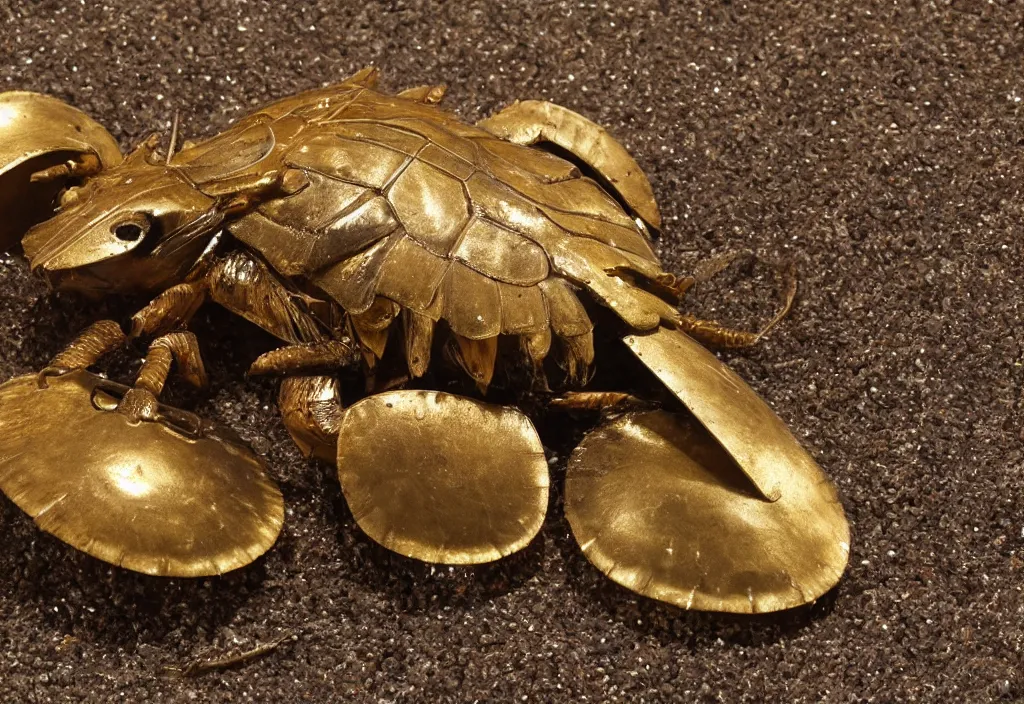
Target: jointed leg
{"type": "Point", "coordinates": [311, 405]}
{"type": "Point", "coordinates": [140, 402]}
{"type": "Point", "coordinates": [715, 334]}
{"type": "Point", "coordinates": [307, 358]}
{"type": "Point", "coordinates": [311, 410]}
{"type": "Point", "coordinates": [239, 283]}
{"type": "Point", "coordinates": [310, 402]}
{"type": "Point", "coordinates": [175, 346]}
{"type": "Point", "coordinates": [604, 401]}
{"type": "Point", "coordinates": [245, 286]}
{"type": "Point", "coordinates": [97, 340]}
{"type": "Point", "coordinates": [171, 309]}
{"type": "Point", "coordinates": [105, 336]}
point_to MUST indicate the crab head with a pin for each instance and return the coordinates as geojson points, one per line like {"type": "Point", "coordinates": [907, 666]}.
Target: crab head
{"type": "Point", "coordinates": [140, 226]}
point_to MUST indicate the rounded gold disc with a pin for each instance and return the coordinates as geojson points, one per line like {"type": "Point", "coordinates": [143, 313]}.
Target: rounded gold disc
{"type": "Point", "coordinates": [37, 132]}
{"type": "Point", "coordinates": [662, 509]}
{"type": "Point", "coordinates": [442, 478]}
{"type": "Point", "coordinates": [154, 497]}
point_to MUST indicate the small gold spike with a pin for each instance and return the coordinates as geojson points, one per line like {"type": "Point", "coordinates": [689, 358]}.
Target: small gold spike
{"type": "Point", "coordinates": [379, 315]}
{"type": "Point", "coordinates": [568, 316]}
{"type": "Point", "coordinates": [419, 337]}
{"type": "Point", "coordinates": [431, 95]}
{"type": "Point", "coordinates": [374, 342]}
{"type": "Point", "coordinates": [365, 77]}
{"type": "Point", "coordinates": [175, 496]}
{"type": "Point", "coordinates": [477, 358]}
{"type": "Point", "coordinates": [442, 478]}
{"type": "Point", "coordinates": [661, 508]}
{"type": "Point", "coordinates": [579, 356]}
{"type": "Point", "coordinates": [373, 325]}
{"type": "Point", "coordinates": [537, 346]}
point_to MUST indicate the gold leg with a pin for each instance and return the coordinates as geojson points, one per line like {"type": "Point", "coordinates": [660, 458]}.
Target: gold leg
{"type": "Point", "coordinates": [171, 309]}
{"type": "Point", "coordinates": [713, 266]}
{"type": "Point", "coordinates": [182, 347]}
{"type": "Point", "coordinates": [141, 401]}
{"type": "Point", "coordinates": [247, 287]}
{"type": "Point", "coordinates": [714, 334]}
{"type": "Point", "coordinates": [97, 340]}
{"type": "Point", "coordinates": [605, 401]}
{"type": "Point", "coordinates": [311, 410]}
{"type": "Point", "coordinates": [308, 358]}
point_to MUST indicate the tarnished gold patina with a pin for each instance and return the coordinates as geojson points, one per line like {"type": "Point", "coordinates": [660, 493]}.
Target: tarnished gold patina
{"type": "Point", "coordinates": [38, 132]}
{"type": "Point", "coordinates": [379, 232]}
{"type": "Point", "coordinates": [174, 497]}
{"type": "Point", "coordinates": [662, 509]}
{"type": "Point", "coordinates": [443, 478]}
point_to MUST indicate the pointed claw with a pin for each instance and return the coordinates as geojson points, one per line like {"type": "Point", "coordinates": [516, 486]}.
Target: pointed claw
{"type": "Point", "coordinates": [172, 497]}
{"type": "Point", "coordinates": [372, 326]}
{"type": "Point", "coordinates": [442, 478]}
{"type": "Point", "coordinates": [477, 358]}
{"type": "Point", "coordinates": [419, 337]}
{"type": "Point", "coordinates": [659, 507]}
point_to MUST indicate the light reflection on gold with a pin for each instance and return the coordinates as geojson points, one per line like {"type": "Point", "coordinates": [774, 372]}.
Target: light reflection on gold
{"type": "Point", "coordinates": [130, 479]}
{"type": "Point", "coordinates": [442, 478]}
{"type": "Point", "coordinates": [429, 475]}
{"type": "Point", "coordinates": [661, 508]}
{"type": "Point", "coordinates": [136, 494]}
{"type": "Point", "coordinates": [8, 114]}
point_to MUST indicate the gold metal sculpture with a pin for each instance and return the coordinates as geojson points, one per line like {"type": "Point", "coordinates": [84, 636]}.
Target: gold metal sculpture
{"type": "Point", "coordinates": [660, 507]}
{"type": "Point", "coordinates": [443, 478]}
{"type": "Point", "coordinates": [169, 495]}
{"type": "Point", "coordinates": [40, 133]}
{"type": "Point", "coordinates": [376, 232]}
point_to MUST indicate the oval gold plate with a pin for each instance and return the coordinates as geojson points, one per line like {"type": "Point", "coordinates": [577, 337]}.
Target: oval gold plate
{"type": "Point", "coordinates": [174, 499]}
{"type": "Point", "coordinates": [442, 478]}
{"type": "Point", "coordinates": [662, 509]}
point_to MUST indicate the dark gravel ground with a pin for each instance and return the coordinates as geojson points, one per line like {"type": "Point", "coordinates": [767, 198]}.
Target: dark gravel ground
{"type": "Point", "coordinates": [878, 145]}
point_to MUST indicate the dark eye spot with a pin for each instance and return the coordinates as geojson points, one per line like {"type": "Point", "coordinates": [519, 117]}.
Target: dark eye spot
{"type": "Point", "coordinates": [129, 231]}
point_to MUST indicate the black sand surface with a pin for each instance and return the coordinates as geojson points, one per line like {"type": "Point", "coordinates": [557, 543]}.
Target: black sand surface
{"type": "Point", "coordinates": [879, 145]}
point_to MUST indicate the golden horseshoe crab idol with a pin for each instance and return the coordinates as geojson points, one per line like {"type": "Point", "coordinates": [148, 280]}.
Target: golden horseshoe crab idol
{"type": "Point", "coordinates": [430, 281]}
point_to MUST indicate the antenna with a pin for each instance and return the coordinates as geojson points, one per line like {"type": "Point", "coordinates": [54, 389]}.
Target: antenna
{"type": "Point", "coordinates": [174, 137]}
